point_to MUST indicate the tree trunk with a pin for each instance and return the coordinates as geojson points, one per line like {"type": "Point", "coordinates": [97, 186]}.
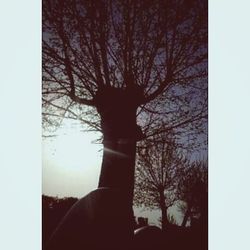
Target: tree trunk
{"type": "Point", "coordinates": [117, 108]}
{"type": "Point", "coordinates": [186, 216]}
{"type": "Point", "coordinates": [118, 166]}
{"type": "Point", "coordinates": [164, 216]}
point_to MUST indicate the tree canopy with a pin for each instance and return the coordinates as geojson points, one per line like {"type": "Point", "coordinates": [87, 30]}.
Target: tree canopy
{"type": "Point", "coordinates": [192, 189]}
{"type": "Point", "coordinates": [153, 52]}
{"type": "Point", "coordinates": [156, 174]}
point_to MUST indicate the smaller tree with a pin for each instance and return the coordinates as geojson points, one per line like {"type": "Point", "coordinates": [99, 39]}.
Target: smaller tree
{"type": "Point", "coordinates": [156, 175]}
{"type": "Point", "coordinates": [192, 189]}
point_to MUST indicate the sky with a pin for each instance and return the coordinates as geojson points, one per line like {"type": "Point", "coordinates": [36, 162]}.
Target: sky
{"type": "Point", "coordinates": [71, 162]}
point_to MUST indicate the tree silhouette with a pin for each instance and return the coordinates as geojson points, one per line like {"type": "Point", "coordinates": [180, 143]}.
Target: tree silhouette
{"type": "Point", "coordinates": [155, 185]}
{"type": "Point", "coordinates": [111, 64]}
{"type": "Point", "coordinates": [193, 190]}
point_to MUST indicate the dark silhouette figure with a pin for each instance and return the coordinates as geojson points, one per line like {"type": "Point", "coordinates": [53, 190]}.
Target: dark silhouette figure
{"type": "Point", "coordinates": [148, 238]}
{"type": "Point", "coordinates": [53, 210]}
{"type": "Point", "coordinates": [97, 221]}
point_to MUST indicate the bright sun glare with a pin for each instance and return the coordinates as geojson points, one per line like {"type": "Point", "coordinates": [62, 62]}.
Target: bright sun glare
{"type": "Point", "coordinates": [71, 161]}
{"type": "Point", "coordinates": [73, 148]}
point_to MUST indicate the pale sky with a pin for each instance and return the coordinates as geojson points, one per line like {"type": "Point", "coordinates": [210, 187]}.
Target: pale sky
{"type": "Point", "coordinates": [71, 162]}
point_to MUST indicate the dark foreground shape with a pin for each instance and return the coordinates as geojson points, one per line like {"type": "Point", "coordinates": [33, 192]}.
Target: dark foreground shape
{"type": "Point", "coordinates": [148, 238]}
{"type": "Point", "coordinates": [100, 221]}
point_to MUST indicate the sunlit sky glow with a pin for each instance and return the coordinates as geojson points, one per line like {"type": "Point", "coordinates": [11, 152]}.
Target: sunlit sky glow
{"type": "Point", "coordinates": [71, 161]}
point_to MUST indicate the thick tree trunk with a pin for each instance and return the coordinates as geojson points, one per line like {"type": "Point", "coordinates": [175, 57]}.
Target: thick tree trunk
{"type": "Point", "coordinates": [117, 108]}
{"type": "Point", "coordinates": [118, 166]}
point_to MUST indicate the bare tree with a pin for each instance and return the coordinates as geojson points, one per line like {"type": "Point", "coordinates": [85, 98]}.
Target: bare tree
{"type": "Point", "coordinates": [193, 191]}
{"type": "Point", "coordinates": [111, 64]}
{"type": "Point", "coordinates": [155, 185]}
